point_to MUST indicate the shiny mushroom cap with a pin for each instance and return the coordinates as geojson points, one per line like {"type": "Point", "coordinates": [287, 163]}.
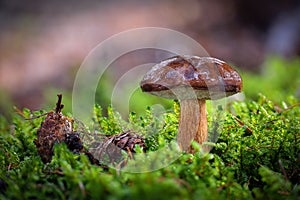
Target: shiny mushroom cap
{"type": "Point", "coordinates": [190, 77]}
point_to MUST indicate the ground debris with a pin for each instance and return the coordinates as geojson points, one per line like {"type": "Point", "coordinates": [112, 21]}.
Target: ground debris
{"type": "Point", "coordinates": [109, 148]}
{"type": "Point", "coordinates": [57, 128]}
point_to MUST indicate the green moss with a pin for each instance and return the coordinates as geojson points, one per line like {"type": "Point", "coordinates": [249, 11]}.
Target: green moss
{"type": "Point", "coordinates": [256, 160]}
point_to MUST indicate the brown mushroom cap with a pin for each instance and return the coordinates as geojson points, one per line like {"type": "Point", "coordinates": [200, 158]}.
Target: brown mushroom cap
{"type": "Point", "coordinates": [206, 77]}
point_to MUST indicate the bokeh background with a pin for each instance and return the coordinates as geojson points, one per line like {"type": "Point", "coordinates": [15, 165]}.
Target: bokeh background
{"type": "Point", "coordinates": [42, 44]}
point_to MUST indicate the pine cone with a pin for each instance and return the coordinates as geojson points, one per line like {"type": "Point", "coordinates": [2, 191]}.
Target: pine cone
{"type": "Point", "coordinates": [127, 141]}
{"type": "Point", "coordinates": [111, 147]}
{"type": "Point", "coordinates": [56, 128]}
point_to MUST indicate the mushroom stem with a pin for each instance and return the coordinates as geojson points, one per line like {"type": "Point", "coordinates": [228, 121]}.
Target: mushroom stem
{"type": "Point", "coordinates": [193, 123]}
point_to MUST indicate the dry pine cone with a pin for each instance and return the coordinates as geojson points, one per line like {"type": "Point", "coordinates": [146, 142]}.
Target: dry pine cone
{"type": "Point", "coordinates": [56, 128]}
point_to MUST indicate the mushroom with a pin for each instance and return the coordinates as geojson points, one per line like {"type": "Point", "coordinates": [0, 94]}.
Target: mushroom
{"type": "Point", "coordinates": [192, 80]}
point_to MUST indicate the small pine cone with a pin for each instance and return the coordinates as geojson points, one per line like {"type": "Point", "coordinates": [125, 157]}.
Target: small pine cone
{"type": "Point", "coordinates": [54, 129]}
{"type": "Point", "coordinates": [127, 141]}
{"type": "Point", "coordinates": [110, 147]}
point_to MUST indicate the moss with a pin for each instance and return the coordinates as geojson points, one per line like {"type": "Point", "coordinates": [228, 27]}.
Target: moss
{"type": "Point", "coordinates": [256, 157]}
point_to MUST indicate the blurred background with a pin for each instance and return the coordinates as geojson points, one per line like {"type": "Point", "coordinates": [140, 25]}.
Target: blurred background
{"type": "Point", "coordinates": [42, 44]}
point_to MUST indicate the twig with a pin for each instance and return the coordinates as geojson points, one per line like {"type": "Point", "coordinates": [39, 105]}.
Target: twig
{"type": "Point", "coordinates": [35, 117]}
{"type": "Point", "coordinates": [57, 172]}
{"type": "Point", "coordinates": [260, 147]}
{"type": "Point", "coordinates": [20, 112]}
{"type": "Point", "coordinates": [283, 170]}
{"type": "Point", "coordinates": [59, 106]}
{"type": "Point", "coordinates": [290, 107]}
{"type": "Point", "coordinates": [243, 124]}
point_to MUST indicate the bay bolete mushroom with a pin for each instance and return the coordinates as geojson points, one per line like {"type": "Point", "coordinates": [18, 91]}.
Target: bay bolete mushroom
{"type": "Point", "coordinates": [192, 80]}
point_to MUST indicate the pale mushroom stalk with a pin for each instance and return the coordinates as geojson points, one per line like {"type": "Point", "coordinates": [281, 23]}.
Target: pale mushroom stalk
{"type": "Point", "coordinates": [192, 123]}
